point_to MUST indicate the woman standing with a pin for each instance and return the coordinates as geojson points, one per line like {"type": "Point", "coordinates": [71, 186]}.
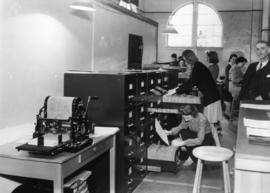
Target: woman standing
{"type": "Point", "coordinates": [227, 97]}
{"type": "Point", "coordinates": [236, 76]}
{"type": "Point", "coordinates": [235, 81]}
{"type": "Point", "coordinates": [212, 59]}
{"type": "Point", "coordinates": [202, 78]}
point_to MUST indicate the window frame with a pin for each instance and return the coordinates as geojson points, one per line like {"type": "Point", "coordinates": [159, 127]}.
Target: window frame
{"type": "Point", "coordinates": [195, 26]}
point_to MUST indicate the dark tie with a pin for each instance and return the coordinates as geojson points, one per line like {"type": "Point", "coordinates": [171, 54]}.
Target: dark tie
{"type": "Point", "coordinates": [259, 66]}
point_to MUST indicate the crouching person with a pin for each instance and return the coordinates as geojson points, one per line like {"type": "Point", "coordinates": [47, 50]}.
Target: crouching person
{"type": "Point", "coordinates": [194, 130]}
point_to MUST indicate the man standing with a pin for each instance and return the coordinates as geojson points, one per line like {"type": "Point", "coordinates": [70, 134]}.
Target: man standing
{"type": "Point", "coordinates": [256, 81]}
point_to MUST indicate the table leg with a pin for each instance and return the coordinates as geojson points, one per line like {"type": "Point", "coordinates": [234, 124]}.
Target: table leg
{"type": "Point", "coordinates": [58, 184]}
{"type": "Point", "coordinates": [112, 166]}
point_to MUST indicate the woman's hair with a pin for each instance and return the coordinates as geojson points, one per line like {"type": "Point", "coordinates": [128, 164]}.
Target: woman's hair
{"type": "Point", "coordinates": [174, 55]}
{"type": "Point", "coordinates": [213, 57]}
{"type": "Point", "coordinates": [231, 56]}
{"type": "Point", "coordinates": [190, 110]}
{"type": "Point", "coordinates": [240, 59]}
{"type": "Point", "coordinates": [190, 56]}
{"type": "Point", "coordinates": [263, 42]}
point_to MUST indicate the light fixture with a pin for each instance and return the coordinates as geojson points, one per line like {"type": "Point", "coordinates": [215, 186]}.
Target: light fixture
{"type": "Point", "coordinates": [170, 29]}
{"type": "Point", "coordinates": [83, 5]}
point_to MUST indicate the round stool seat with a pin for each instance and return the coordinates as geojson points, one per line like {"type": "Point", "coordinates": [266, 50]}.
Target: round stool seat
{"type": "Point", "coordinates": [212, 153]}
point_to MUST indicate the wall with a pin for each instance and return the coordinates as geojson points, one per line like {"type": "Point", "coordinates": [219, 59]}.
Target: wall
{"type": "Point", "coordinates": [111, 34]}
{"type": "Point", "coordinates": [242, 26]}
{"type": "Point", "coordinates": [40, 40]}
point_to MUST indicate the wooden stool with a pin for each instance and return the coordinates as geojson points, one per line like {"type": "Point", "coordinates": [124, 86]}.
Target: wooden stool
{"type": "Point", "coordinates": [212, 154]}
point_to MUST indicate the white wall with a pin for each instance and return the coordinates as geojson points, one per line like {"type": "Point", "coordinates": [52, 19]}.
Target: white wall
{"type": "Point", "coordinates": [111, 39]}
{"type": "Point", "coordinates": [41, 39]}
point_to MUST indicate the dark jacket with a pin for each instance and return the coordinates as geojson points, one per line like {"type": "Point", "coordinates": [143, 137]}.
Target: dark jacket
{"type": "Point", "coordinates": [227, 70]}
{"type": "Point", "coordinates": [256, 83]}
{"type": "Point", "coordinates": [202, 78]}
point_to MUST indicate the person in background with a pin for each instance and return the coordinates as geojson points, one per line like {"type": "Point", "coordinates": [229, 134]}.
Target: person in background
{"type": "Point", "coordinates": [227, 97]}
{"type": "Point", "coordinates": [256, 81]}
{"type": "Point", "coordinates": [242, 63]}
{"type": "Point", "coordinates": [193, 131]}
{"type": "Point", "coordinates": [236, 77]}
{"type": "Point", "coordinates": [174, 61]}
{"type": "Point", "coordinates": [201, 78]}
{"type": "Point", "coordinates": [212, 59]}
{"type": "Point", "coordinates": [235, 80]}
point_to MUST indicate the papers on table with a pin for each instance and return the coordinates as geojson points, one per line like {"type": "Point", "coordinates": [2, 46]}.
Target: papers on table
{"type": "Point", "coordinates": [256, 106]}
{"type": "Point", "coordinates": [171, 92]}
{"type": "Point", "coordinates": [257, 127]}
{"type": "Point", "coordinates": [161, 132]}
{"type": "Point", "coordinates": [258, 132]}
{"type": "Point", "coordinates": [263, 124]}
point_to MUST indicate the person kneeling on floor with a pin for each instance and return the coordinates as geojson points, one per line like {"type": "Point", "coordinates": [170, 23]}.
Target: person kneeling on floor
{"type": "Point", "coordinates": [194, 130]}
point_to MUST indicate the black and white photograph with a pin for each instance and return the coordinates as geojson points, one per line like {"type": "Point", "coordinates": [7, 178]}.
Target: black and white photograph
{"type": "Point", "coordinates": [134, 96]}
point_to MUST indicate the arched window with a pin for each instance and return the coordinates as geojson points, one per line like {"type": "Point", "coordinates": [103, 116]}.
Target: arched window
{"type": "Point", "coordinates": [197, 24]}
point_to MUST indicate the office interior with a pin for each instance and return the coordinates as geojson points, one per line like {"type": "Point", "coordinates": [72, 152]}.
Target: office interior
{"type": "Point", "coordinates": [50, 49]}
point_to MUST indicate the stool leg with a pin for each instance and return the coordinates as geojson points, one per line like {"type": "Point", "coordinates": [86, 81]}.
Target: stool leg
{"type": "Point", "coordinates": [200, 176]}
{"type": "Point", "coordinates": [228, 176]}
{"type": "Point", "coordinates": [196, 186]}
{"type": "Point", "coordinates": [225, 178]}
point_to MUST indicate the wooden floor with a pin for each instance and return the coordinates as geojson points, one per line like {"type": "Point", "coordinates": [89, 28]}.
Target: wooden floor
{"type": "Point", "coordinates": [182, 182]}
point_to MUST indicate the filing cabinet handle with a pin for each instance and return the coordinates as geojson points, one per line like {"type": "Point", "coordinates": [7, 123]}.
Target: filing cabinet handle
{"type": "Point", "coordinates": [130, 153]}
{"type": "Point", "coordinates": [130, 181]}
{"type": "Point", "coordinates": [130, 125]}
{"type": "Point", "coordinates": [130, 96]}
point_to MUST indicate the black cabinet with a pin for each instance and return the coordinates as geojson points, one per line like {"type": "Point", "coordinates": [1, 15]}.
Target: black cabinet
{"type": "Point", "coordinates": [117, 106]}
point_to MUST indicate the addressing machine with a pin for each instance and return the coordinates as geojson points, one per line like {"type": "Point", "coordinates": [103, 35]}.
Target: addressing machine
{"type": "Point", "coordinates": [61, 125]}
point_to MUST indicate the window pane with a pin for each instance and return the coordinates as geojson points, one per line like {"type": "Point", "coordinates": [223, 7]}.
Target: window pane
{"type": "Point", "coordinates": [175, 40]}
{"type": "Point", "coordinates": [209, 28]}
{"type": "Point", "coordinates": [182, 21]}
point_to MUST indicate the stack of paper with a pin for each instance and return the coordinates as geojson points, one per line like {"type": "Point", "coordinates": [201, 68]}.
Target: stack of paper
{"type": "Point", "coordinates": [260, 128]}
{"type": "Point", "coordinates": [255, 106]}
{"type": "Point", "coordinates": [78, 184]}
{"type": "Point", "coordinates": [181, 99]}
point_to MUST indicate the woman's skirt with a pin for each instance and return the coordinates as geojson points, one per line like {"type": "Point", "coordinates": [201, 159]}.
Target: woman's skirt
{"type": "Point", "coordinates": [213, 112]}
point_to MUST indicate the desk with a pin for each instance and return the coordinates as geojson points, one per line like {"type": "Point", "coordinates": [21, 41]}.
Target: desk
{"type": "Point", "coordinates": [58, 167]}
{"type": "Point", "coordinates": [252, 162]}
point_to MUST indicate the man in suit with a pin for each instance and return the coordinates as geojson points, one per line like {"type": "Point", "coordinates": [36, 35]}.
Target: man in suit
{"type": "Point", "coordinates": [256, 81]}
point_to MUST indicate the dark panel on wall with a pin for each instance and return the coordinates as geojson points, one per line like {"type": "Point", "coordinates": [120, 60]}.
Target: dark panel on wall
{"type": "Point", "coordinates": [135, 50]}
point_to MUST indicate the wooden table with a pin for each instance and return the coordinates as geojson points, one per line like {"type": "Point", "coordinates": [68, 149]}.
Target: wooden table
{"type": "Point", "coordinates": [252, 161]}
{"type": "Point", "coordinates": [58, 167]}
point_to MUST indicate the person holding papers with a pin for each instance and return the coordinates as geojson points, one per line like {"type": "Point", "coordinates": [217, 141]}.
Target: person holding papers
{"type": "Point", "coordinates": [203, 80]}
{"type": "Point", "coordinates": [194, 130]}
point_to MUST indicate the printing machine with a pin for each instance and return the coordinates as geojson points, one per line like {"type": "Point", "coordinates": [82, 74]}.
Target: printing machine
{"type": "Point", "coordinates": [61, 125]}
